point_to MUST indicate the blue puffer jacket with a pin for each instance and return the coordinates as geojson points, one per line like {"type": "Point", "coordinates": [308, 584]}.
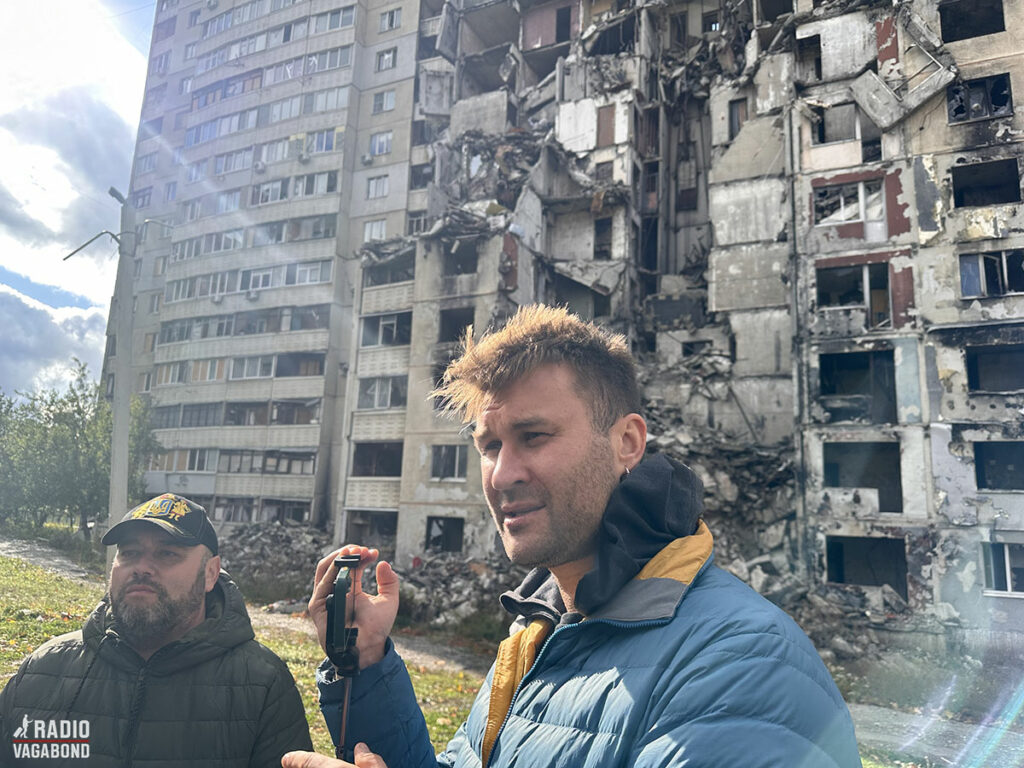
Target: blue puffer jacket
{"type": "Point", "coordinates": [683, 665]}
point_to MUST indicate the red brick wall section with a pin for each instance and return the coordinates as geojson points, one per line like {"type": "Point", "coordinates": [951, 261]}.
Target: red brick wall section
{"type": "Point", "coordinates": [888, 42]}
{"type": "Point", "coordinates": [895, 211]}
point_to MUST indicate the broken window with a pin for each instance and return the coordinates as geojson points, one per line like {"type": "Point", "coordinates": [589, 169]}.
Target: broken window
{"type": "Point", "coordinates": [285, 509]}
{"type": "Point", "coordinates": [453, 323]}
{"type": "Point", "coordinates": [563, 24]}
{"type": "Point", "coordinates": [391, 330]}
{"type": "Point", "coordinates": [772, 9]}
{"type": "Point", "coordinates": [375, 528]}
{"type": "Point", "coordinates": [991, 274]}
{"type": "Point", "coordinates": [449, 462]}
{"type": "Point", "coordinates": [709, 22]}
{"type": "Point", "coordinates": [427, 47]}
{"type": "Point", "coordinates": [246, 414]}
{"type": "Point", "coordinates": [651, 181]}
{"type": "Point", "coordinates": [866, 465]}
{"type": "Point", "coordinates": [995, 368]}
{"type": "Point", "coordinates": [858, 386]}
{"type": "Point", "coordinates": [295, 411]}
{"type": "Point", "coordinates": [461, 259]}
{"type": "Point", "coordinates": [234, 510]}
{"type": "Point", "coordinates": [988, 183]}
{"type": "Point", "coordinates": [603, 171]}
{"type": "Point", "coordinates": [846, 203]}
{"type": "Point", "coordinates": [838, 123]}
{"type": "Point", "coordinates": [1004, 566]}
{"type": "Point", "coordinates": [603, 238]}
{"type": "Point", "coordinates": [444, 534]}
{"type": "Point", "coordinates": [848, 287]}
{"type": "Point", "coordinates": [868, 561]}
{"type": "Point", "coordinates": [416, 222]}
{"type": "Point", "coordinates": [696, 348]}
{"type": "Point", "coordinates": [382, 392]}
{"type": "Point", "coordinates": [421, 175]}
{"type": "Point", "coordinates": [377, 460]}
{"type": "Point", "coordinates": [964, 19]}
{"type": "Point", "coordinates": [979, 99]}
{"type": "Point", "coordinates": [300, 364]}
{"type": "Point", "coordinates": [737, 116]}
{"type": "Point", "coordinates": [397, 270]}
{"type": "Point", "coordinates": [999, 465]}
{"type": "Point", "coordinates": [808, 59]}
{"type": "Point", "coordinates": [606, 125]}
{"type": "Point", "coordinates": [289, 462]}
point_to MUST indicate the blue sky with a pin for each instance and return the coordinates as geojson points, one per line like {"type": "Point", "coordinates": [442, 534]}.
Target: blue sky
{"type": "Point", "coordinates": [67, 130]}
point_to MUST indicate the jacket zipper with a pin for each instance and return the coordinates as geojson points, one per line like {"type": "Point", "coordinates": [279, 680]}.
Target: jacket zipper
{"type": "Point", "coordinates": [543, 649]}
{"type": "Point", "coordinates": [133, 724]}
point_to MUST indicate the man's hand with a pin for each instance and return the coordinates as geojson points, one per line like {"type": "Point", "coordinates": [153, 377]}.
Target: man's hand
{"type": "Point", "coordinates": [363, 756]}
{"type": "Point", "coordinates": [374, 614]}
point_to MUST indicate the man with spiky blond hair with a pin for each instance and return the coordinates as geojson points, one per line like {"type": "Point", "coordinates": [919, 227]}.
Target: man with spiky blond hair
{"type": "Point", "coordinates": [629, 647]}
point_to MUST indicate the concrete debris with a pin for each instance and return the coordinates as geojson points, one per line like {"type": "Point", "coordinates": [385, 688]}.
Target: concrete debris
{"type": "Point", "coordinates": [274, 560]}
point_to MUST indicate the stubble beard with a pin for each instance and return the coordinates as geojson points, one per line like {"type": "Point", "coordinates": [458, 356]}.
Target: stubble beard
{"type": "Point", "coordinates": [140, 624]}
{"type": "Point", "coordinates": [573, 520]}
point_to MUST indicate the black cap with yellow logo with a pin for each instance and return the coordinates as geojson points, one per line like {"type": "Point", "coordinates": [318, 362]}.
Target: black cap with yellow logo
{"type": "Point", "coordinates": [182, 518]}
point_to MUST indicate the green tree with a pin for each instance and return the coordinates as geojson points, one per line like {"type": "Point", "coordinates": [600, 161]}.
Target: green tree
{"type": "Point", "coordinates": [55, 453]}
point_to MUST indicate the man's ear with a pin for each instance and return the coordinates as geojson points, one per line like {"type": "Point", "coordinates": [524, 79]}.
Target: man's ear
{"type": "Point", "coordinates": [212, 571]}
{"type": "Point", "coordinates": [629, 439]}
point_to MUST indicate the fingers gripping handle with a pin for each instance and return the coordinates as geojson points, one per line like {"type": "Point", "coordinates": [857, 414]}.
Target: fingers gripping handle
{"type": "Point", "coordinates": [341, 640]}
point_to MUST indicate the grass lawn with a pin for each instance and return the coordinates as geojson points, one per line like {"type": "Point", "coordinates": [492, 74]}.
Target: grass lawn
{"type": "Point", "coordinates": [36, 605]}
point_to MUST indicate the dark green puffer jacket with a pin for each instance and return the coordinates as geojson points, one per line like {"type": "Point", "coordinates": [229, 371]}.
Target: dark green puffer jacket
{"type": "Point", "coordinates": [216, 698]}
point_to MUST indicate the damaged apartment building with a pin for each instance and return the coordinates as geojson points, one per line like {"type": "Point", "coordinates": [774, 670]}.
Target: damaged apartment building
{"type": "Point", "coordinates": [805, 215]}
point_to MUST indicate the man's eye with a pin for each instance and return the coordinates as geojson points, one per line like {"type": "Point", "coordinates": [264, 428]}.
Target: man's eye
{"type": "Point", "coordinates": [532, 436]}
{"type": "Point", "coordinates": [490, 447]}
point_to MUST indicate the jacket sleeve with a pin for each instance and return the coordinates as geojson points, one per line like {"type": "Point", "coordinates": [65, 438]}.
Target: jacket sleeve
{"type": "Point", "coordinates": [282, 725]}
{"type": "Point", "coordinates": [7, 725]}
{"type": "Point", "coordinates": [383, 712]}
{"type": "Point", "coordinates": [757, 700]}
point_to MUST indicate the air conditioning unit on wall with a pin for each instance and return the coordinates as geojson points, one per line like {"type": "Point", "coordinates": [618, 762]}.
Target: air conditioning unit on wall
{"type": "Point", "coordinates": [259, 166]}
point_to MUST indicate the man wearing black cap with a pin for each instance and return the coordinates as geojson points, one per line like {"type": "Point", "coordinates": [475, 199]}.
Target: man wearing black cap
{"type": "Point", "coordinates": [166, 670]}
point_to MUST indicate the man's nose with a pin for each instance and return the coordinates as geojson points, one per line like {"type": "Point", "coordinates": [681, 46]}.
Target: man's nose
{"type": "Point", "coordinates": [509, 470]}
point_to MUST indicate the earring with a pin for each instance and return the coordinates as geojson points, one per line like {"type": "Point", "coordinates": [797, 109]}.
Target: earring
{"type": "Point", "coordinates": [627, 470]}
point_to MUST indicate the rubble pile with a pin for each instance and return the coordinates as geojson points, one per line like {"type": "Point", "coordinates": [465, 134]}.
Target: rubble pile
{"type": "Point", "coordinates": [445, 588]}
{"type": "Point", "coordinates": [491, 167]}
{"type": "Point", "coordinates": [274, 560]}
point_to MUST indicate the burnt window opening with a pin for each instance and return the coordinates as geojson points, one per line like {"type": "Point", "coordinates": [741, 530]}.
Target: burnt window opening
{"type": "Point", "coordinates": [453, 323]}
{"type": "Point", "coordinates": [678, 35]}
{"type": "Point", "coordinates": [864, 285]}
{"type": "Point", "coordinates": [246, 414]}
{"type": "Point", "coordinates": [382, 392]}
{"type": "Point", "coordinates": [990, 183]}
{"type": "Point", "coordinates": [1004, 566]}
{"type": "Point", "coordinates": [999, 465]}
{"type": "Point", "coordinates": [283, 509]}
{"type": "Point", "coordinates": [867, 561]}
{"type": "Point", "coordinates": [375, 528]}
{"type": "Point", "coordinates": [309, 318]}
{"type": "Point", "coordinates": [444, 534]}
{"type": "Point", "coordinates": [563, 24]}
{"type": "Point", "coordinates": [870, 139]}
{"type": "Point", "coordinates": [300, 364]}
{"type": "Point", "coordinates": [995, 273]}
{"type": "Point", "coordinates": [709, 22]}
{"type": "Point", "coordinates": [448, 462]}
{"type": "Point", "coordinates": [980, 99]}
{"type": "Point", "coordinates": [377, 460]}
{"type": "Point", "coordinates": [416, 222]}
{"type": "Point", "coordinates": [617, 38]}
{"type": "Point", "coordinates": [426, 47]}
{"type": "Point", "coordinates": [288, 462]}
{"type": "Point", "coordinates": [866, 465]}
{"type": "Point", "coordinates": [773, 9]}
{"type": "Point", "coordinates": [737, 116]}
{"type": "Point", "coordinates": [995, 368]}
{"type": "Point", "coordinates": [808, 59]}
{"type": "Point", "coordinates": [964, 19]}
{"type": "Point", "coordinates": [393, 330]}
{"type": "Point", "coordinates": [580, 299]}
{"type": "Point", "coordinates": [858, 386]}
{"type": "Point", "coordinates": [606, 125]}
{"type": "Point", "coordinates": [603, 239]}
{"type": "Point", "coordinates": [421, 175]}
{"type": "Point", "coordinates": [423, 132]}
{"type": "Point", "coordinates": [603, 171]}
{"type": "Point", "coordinates": [696, 348]}
{"type": "Point", "coordinates": [461, 259]}
{"type": "Point", "coordinates": [397, 270]}
{"type": "Point", "coordinates": [437, 376]}
{"type": "Point", "coordinates": [647, 126]}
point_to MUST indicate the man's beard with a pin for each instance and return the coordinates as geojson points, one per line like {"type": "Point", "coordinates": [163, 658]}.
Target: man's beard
{"type": "Point", "coordinates": [152, 622]}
